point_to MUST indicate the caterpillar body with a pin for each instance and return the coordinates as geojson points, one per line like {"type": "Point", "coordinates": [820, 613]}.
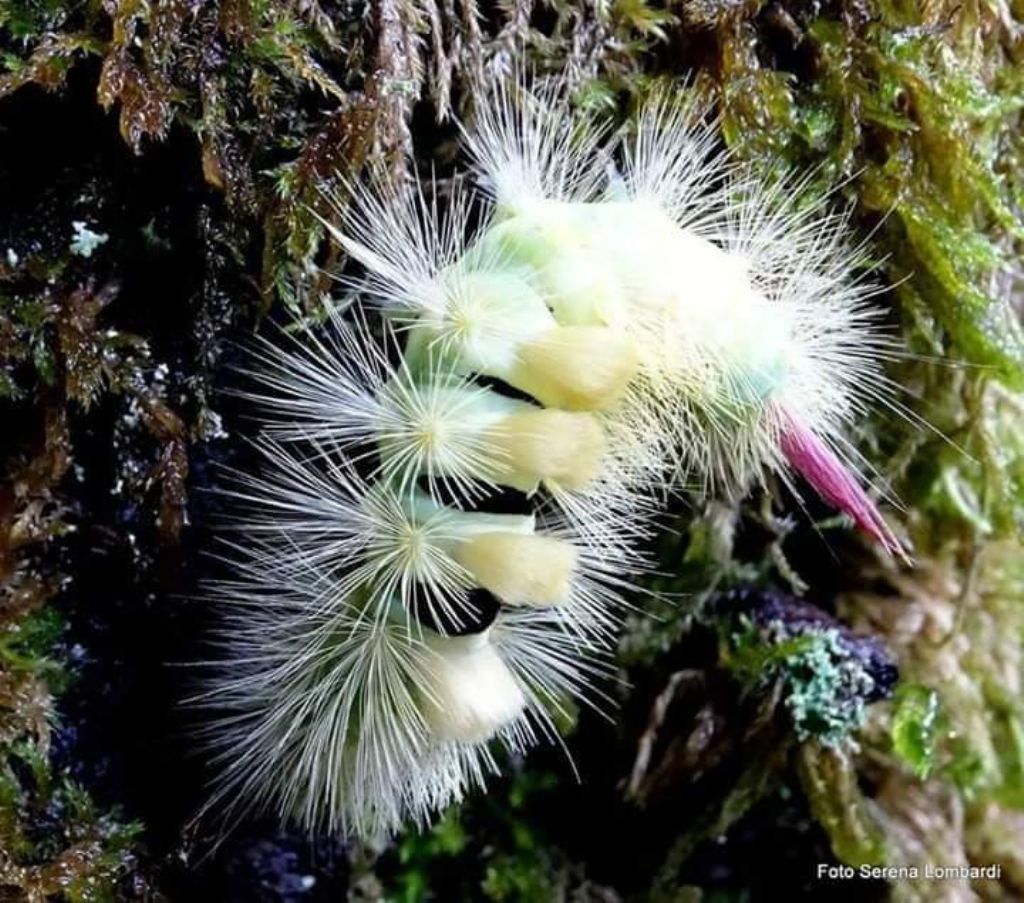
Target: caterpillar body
{"type": "Point", "coordinates": [599, 335]}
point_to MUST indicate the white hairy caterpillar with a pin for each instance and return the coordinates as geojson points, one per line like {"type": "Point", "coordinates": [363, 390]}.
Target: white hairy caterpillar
{"type": "Point", "coordinates": [592, 338]}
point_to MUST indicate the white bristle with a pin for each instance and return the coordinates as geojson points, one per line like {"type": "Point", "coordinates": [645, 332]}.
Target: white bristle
{"type": "Point", "coordinates": [528, 145]}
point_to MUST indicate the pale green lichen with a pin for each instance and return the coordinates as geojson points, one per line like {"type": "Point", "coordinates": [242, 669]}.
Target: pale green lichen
{"type": "Point", "coordinates": [824, 686]}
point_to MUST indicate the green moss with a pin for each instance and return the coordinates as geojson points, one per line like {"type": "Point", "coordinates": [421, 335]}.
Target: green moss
{"type": "Point", "coordinates": [919, 113]}
{"type": "Point", "coordinates": [829, 778]}
{"type": "Point", "coordinates": [417, 852]}
{"type": "Point", "coordinates": [490, 849]}
{"type": "Point", "coordinates": [913, 727]}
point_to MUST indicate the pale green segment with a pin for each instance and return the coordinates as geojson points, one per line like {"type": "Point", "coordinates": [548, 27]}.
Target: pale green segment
{"type": "Point", "coordinates": [490, 314]}
{"type": "Point", "coordinates": [457, 418]}
{"type": "Point", "coordinates": [750, 385]}
{"type": "Point", "coordinates": [562, 249]}
{"type": "Point", "coordinates": [463, 525]}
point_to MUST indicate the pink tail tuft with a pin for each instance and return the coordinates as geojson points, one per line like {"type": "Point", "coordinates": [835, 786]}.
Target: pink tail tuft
{"type": "Point", "coordinates": [821, 467]}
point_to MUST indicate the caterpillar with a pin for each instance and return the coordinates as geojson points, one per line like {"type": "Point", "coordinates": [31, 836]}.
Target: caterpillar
{"type": "Point", "coordinates": [602, 319]}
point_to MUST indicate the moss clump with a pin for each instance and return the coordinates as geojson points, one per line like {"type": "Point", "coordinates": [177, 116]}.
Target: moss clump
{"type": "Point", "coordinates": [954, 732]}
{"type": "Point", "coordinates": [53, 840]}
{"type": "Point", "coordinates": [914, 726]}
{"type": "Point", "coordinates": [497, 851]}
{"type": "Point", "coordinates": [56, 844]}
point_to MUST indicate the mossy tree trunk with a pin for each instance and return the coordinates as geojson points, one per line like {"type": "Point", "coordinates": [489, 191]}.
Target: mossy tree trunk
{"type": "Point", "coordinates": [162, 174]}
